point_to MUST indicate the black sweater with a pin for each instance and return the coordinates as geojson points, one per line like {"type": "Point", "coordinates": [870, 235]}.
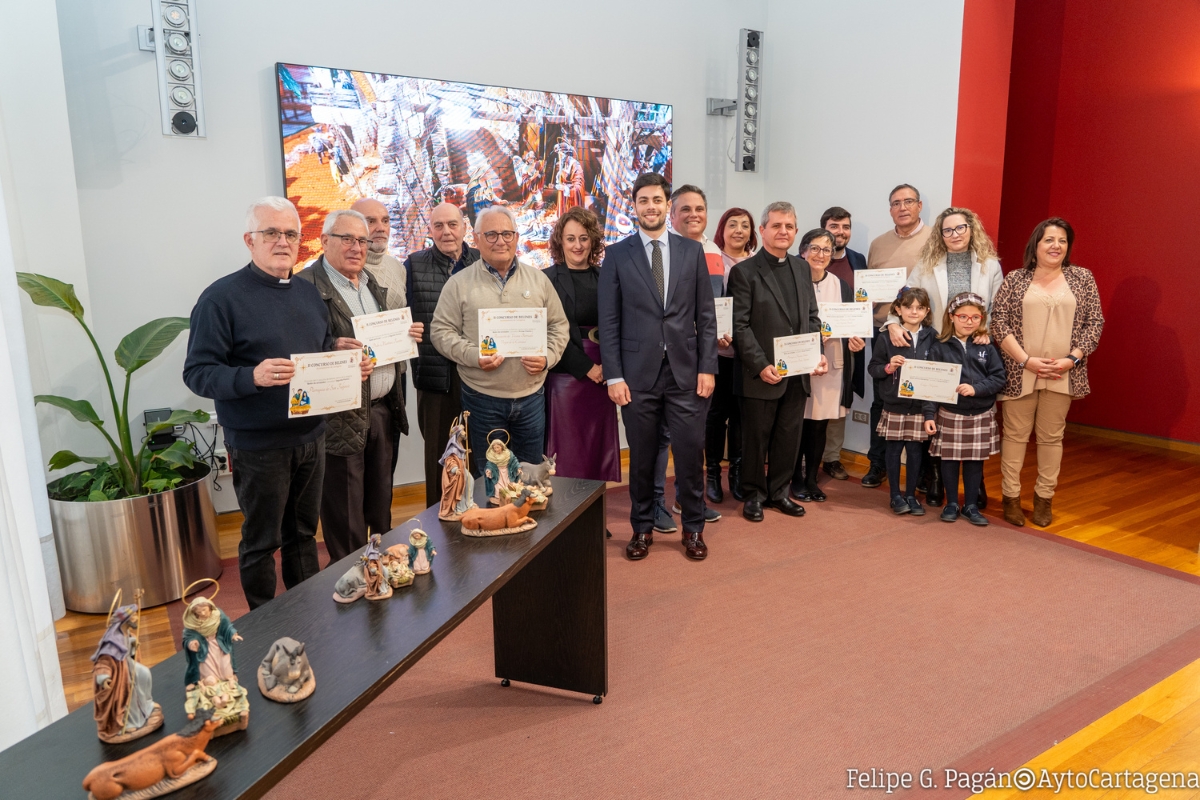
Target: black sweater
{"type": "Point", "coordinates": [239, 321]}
{"type": "Point", "coordinates": [889, 385]}
{"type": "Point", "coordinates": [982, 367]}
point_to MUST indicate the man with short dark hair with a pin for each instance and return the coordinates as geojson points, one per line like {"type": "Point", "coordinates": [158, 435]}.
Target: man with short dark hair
{"type": "Point", "coordinates": [439, 398]}
{"type": "Point", "coordinates": [658, 343]}
{"type": "Point", "coordinates": [845, 261]}
{"type": "Point", "coordinates": [244, 329]}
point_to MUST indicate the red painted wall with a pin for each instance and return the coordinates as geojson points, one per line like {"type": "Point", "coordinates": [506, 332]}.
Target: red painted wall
{"type": "Point", "coordinates": [983, 108]}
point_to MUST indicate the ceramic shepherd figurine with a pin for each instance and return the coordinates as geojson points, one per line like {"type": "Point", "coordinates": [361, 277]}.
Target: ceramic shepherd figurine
{"type": "Point", "coordinates": [511, 518]}
{"type": "Point", "coordinates": [124, 708]}
{"type": "Point", "coordinates": [457, 483]}
{"type": "Point", "coordinates": [284, 675]}
{"type": "Point", "coordinates": [174, 762]}
{"type": "Point", "coordinates": [212, 682]}
{"type": "Point", "coordinates": [501, 471]}
{"type": "Point", "coordinates": [420, 552]}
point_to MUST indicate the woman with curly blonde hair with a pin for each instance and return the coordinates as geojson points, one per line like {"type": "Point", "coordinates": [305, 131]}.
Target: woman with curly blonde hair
{"type": "Point", "coordinates": [958, 257]}
{"type": "Point", "coordinates": [581, 424]}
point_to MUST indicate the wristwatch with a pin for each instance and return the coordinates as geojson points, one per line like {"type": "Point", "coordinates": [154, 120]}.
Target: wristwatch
{"type": "Point", "coordinates": [1074, 360]}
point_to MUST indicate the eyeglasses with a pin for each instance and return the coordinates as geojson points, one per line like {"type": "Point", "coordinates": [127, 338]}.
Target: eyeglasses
{"type": "Point", "coordinates": [350, 241]}
{"type": "Point", "coordinates": [968, 317]}
{"type": "Point", "coordinates": [270, 235]}
{"type": "Point", "coordinates": [820, 251]}
{"type": "Point", "coordinates": [957, 230]}
{"type": "Point", "coordinates": [493, 236]}
{"type": "Point", "coordinates": [907, 202]}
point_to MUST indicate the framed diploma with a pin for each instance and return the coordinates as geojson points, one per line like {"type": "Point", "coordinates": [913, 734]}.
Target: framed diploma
{"type": "Point", "coordinates": [512, 331]}
{"type": "Point", "coordinates": [843, 320]}
{"type": "Point", "coordinates": [325, 383]}
{"type": "Point", "coordinates": [878, 285]}
{"type": "Point", "coordinates": [385, 336]}
{"type": "Point", "coordinates": [930, 380]}
{"type": "Point", "coordinates": [797, 355]}
{"type": "Point", "coordinates": [724, 317]}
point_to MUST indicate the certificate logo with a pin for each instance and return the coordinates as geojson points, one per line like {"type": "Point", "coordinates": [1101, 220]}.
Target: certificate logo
{"type": "Point", "coordinates": [369, 354]}
{"type": "Point", "coordinates": [299, 403]}
{"type": "Point", "coordinates": [826, 329]}
{"type": "Point", "coordinates": [861, 296]}
{"type": "Point", "coordinates": [781, 367]}
{"type": "Point", "coordinates": [487, 346]}
{"type": "Point", "coordinates": [906, 389]}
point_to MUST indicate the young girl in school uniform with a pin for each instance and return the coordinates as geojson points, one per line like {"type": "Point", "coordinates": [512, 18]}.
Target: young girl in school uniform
{"type": "Point", "coordinates": [902, 423]}
{"type": "Point", "coordinates": [965, 432]}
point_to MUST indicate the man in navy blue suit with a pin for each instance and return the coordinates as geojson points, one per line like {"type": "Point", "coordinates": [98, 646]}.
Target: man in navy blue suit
{"type": "Point", "coordinates": [658, 343]}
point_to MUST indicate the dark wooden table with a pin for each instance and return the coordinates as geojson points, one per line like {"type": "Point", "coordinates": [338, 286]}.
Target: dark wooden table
{"type": "Point", "coordinates": [548, 590]}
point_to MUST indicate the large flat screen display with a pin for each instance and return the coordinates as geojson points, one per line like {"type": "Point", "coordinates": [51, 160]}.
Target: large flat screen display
{"type": "Point", "coordinates": [413, 143]}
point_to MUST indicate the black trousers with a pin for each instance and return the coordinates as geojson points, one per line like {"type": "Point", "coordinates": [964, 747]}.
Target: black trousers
{"type": "Point", "coordinates": [771, 436]}
{"type": "Point", "coordinates": [812, 447]}
{"type": "Point", "coordinates": [279, 492]}
{"type": "Point", "coordinates": [357, 496]}
{"type": "Point", "coordinates": [681, 408]}
{"type": "Point", "coordinates": [877, 452]}
{"type": "Point", "coordinates": [724, 420]}
{"type": "Point", "coordinates": [435, 414]}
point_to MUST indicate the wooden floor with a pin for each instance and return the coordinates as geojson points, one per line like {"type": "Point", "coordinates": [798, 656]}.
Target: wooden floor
{"type": "Point", "coordinates": [1122, 496]}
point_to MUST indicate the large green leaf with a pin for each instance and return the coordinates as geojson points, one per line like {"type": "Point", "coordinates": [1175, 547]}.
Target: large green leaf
{"type": "Point", "coordinates": [144, 345]}
{"type": "Point", "coordinates": [45, 291]}
{"type": "Point", "coordinates": [178, 417]}
{"type": "Point", "coordinates": [80, 409]}
{"type": "Point", "coordinates": [65, 458]}
{"type": "Point", "coordinates": [179, 454]}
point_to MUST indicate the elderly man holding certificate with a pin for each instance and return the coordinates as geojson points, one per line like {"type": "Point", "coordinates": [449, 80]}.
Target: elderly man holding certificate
{"type": "Point", "coordinates": [356, 499]}
{"type": "Point", "coordinates": [503, 324]}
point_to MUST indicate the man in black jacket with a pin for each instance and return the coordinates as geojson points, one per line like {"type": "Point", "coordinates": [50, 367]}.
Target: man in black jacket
{"type": "Point", "coordinates": [439, 389]}
{"type": "Point", "coordinates": [356, 498]}
{"type": "Point", "coordinates": [773, 297]}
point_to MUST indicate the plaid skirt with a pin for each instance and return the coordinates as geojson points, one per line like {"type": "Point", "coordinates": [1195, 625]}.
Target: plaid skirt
{"type": "Point", "coordinates": [901, 427]}
{"type": "Point", "coordinates": [965, 438]}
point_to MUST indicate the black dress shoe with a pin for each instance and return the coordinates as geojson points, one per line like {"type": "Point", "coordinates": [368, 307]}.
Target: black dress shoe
{"type": "Point", "coordinates": [786, 506]}
{"type": "Point", "coordinates": [753, 511]}
{"type": "Point", "coordinates": [874, 478]}
{"type": "Point", "coordinates": [817, 496]}
{"type": "Point", "coordinates": [639, 546]}
{"type": "Point", "coordinates": [713, 490]}
{"type": "Point", "coordinates": [735, 480]}
{"type": "Point", "coordinates": [835, 470]}
{"type": "Point", "coordinates": [800, 493]}
{"type": "Point", "coordinates": [694, 546]}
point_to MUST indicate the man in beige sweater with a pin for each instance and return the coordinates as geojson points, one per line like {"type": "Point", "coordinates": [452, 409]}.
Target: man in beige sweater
{"type": "Point", "coordinates": [899, 247]}
{"type": "Point", "coordinates": [502, 394]}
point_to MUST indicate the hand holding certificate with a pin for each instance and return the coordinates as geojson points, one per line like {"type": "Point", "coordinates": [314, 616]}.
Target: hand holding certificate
{"type": "Point", "coordinates": [844, 320]}
{"type": "Point", "coordinates": [325, 383]}
{"type": "Point", "coordinates": [797, 355]}
{"type": "Point", "coordinates": [930, 380]}
{"type": "Point", "coordinates": [512, 332]}
{"type": "Point", "coordinates": [724, 317]}
{"type": "Point", "coordinates": [387, 335]}
{"type": "Point", "coordinates": [878, 285]}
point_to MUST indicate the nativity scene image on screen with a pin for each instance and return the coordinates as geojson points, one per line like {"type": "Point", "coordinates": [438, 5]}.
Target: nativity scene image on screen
{"type": "Point", "coordinates": [412, 143]}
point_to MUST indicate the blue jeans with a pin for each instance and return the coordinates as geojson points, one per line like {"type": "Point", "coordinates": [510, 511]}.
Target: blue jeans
{"type": "Point", "coordinates": [523, 417]}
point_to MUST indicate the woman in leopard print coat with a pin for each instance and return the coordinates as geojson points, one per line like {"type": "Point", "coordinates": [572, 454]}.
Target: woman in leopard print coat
{"type": "Point", "coordinates": [1047, 320]}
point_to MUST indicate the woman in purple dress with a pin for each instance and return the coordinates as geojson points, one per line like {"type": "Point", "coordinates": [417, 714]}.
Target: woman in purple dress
{"type": "Point", "coordinates": [582, 424]}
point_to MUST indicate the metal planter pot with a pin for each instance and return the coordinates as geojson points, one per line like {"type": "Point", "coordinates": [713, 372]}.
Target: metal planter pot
{"type": "Point", "coordinates": [159, 543]}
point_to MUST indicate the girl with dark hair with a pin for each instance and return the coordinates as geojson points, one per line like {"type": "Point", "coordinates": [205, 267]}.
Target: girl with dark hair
{"type": "Point", "coordinates": [581, 421]}
{"type": "Point", "coordinates": [1047, 319]}
{"type": "Point", "coordinates": [902, 423]}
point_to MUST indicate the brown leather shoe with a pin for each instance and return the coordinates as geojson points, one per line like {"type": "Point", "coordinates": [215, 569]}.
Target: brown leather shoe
{"type": "Point", "coordinates": [694, 546]}
{"type": "Point", "coordinates": [639, 546]}
{"type": "Point", "coordinates": [1041, 511]}
{"type": "Point", "coordinates": [1012, 511]}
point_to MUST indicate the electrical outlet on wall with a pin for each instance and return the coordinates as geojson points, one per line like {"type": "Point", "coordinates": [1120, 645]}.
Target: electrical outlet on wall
{"type": "Point", "coordinates": [861, 416]}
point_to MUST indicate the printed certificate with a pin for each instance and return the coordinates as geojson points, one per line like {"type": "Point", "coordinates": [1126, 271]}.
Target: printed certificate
{"type": "Point", "coordinates": [797, 355]}
{"type": "Point", "coordinates": [843, 320]}
{"type": "Point", "coordinates": [325, 383]}
{"type": "Point", "coordinates": [385, 336]}
{"type": "Point", "coordinates": [930, 380]}
{"type": "Point", "coordinates": [512, 331]}
{"type": "Point", "coordinates": [878, 285]}
{"type": "Point", "coordinates": [724, 317]}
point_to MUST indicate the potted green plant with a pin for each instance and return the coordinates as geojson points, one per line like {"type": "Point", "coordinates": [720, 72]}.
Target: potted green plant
{"type": "Point", "coordinates": [137, 518]}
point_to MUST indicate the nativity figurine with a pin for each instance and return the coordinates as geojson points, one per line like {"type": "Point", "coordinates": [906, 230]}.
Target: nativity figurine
{"type": "Point", "coordinates": [501, 472]}
{"type": "Point", "coordinates": [374, 574]}
{"type": "Point", "coordinates": [509, 518]}
{"type": "Point", "coordinates": [457, 483]}
{"type": "Point", "coordinates": [211, 676]}
{"type": "Point", "coordinates": [171, 763]}
{"type": "Point", "coordinates": [353, 583]}
{"type": "Point", "coordinates": [420, 552]}
{"type": "Point", "coordinates": [537, 476]}
{"type": "Point", "coordinates": [285, 675]}
{"type": "Point", "coordinates": [124, 709]}
{"type": "Point", "coordinates": [395, 562]}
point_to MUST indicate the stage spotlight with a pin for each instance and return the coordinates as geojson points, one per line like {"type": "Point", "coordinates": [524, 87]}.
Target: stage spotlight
{"type": "Point", "coordinates": [749, 97]}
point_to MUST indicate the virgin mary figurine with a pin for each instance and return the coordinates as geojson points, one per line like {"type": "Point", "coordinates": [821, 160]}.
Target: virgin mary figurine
{"type": "Point", "coordinates": [500, 472]}
{"type": "Point", "coordinates": [457, 484]}
{"type": "Point", "coordinates": [124, 709]}
{"type": "Point", "coordinates": [211, 676]}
